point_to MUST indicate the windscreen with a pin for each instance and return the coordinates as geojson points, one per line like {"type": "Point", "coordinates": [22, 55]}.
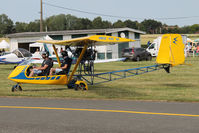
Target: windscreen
{"type": "Point", "coordinates": [25, 52]}
{"type": "Point", "coordinates": [17, 53]}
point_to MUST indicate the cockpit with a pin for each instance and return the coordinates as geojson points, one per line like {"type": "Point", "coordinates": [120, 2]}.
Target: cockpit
{"type": "Point", "coordinates": [22, 53]}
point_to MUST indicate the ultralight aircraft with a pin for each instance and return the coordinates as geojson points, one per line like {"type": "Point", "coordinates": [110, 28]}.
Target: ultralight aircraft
{"type": "Point", "coordinates": [16, 57]}
{"type": "Point", "coordinates": [171, 53]}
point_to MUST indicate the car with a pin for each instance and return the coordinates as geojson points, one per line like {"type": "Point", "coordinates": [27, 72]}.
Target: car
{"type": "Point", "coordinates": [136, 54]}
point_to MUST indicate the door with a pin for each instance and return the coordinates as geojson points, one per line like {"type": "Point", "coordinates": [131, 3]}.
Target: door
{"type": "Point", "coordinates": [152, 49]}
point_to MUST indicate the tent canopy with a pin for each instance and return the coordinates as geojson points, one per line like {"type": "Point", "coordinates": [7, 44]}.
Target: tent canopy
{"type": "Point", "coordinates": [4, 44]}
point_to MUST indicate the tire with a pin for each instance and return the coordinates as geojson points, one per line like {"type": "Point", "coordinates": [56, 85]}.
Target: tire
{"type": "Point", "coordinates": [138, 58]}
{"type": "Point", "coordinates": [13, 88]}
{"type": "Point", "coordinates": [83, 86]}
{"type": "Point", "coordinates": [16, 88]}
{"type": "Point", "coordinates": [149, 58]}
{"type": "Point", "coordinates": [126, 59]}
{"type": "Point", "coordinates": [80, 86]}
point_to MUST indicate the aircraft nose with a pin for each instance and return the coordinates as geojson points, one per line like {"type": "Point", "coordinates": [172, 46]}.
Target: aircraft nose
{"type": "Point", "coordinates": [2, 59]}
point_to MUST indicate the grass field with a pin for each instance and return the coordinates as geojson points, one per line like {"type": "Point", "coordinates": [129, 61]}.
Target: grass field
{"type": "Point", "coordinates": [180, 85]}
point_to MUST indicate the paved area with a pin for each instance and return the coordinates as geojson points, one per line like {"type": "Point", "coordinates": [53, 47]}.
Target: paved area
{"type": "Point", "coordinates": [38, 115]}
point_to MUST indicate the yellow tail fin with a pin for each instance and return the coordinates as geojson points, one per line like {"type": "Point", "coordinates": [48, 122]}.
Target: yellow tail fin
{"type": "Point", "coordinates": [171, 50]}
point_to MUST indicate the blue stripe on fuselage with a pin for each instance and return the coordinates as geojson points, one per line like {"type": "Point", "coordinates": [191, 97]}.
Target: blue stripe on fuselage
{"type": "Point", "coordinates": [22, 76]}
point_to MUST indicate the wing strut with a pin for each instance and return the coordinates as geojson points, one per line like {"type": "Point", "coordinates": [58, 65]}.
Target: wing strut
{"type": "Point", "coordinates": [78, 61]}
{"type": "Point", "coordinates": [55, 50]}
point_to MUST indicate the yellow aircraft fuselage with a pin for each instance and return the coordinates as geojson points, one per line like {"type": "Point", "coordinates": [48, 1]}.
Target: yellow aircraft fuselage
{"type": "Point", "coordinates": [19, 76]}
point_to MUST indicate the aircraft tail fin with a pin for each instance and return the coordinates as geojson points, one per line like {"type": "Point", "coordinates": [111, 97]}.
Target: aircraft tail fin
{"type": "Point", "coordinates": [171, 50]}
{"type": "Point", "coordinates": [46, 49]}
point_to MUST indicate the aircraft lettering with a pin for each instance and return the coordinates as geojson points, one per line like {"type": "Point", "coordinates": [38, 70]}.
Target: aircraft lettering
{"type": "Point", "coordinates": [175, 39]}
{"type": "Point", "coordinates": [102, 38]}
{"type": "Point", "coordinates": [117, 39]}
{"type": "Point", "coordinates": [110, 38]}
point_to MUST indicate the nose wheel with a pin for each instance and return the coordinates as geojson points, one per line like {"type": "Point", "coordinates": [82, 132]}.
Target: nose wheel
{"type": "Point", "coordinates": [16, 87]}
{"type": "Point", "coordinates": [80, 85]}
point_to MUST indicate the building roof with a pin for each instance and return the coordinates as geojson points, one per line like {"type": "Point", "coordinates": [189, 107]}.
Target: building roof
{"type": "Point", "coordinates": [72, 32]}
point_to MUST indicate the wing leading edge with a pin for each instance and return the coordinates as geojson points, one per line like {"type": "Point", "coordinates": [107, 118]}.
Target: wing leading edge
{"type": "Point", "coordinates": [95, 39]}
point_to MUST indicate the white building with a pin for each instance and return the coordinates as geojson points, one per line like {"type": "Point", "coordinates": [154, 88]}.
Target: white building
{"type": "Point", "coordinates": [23, 40]}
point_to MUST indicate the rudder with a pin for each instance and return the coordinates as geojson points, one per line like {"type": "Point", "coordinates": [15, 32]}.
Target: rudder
{"type": "Point", "coordinates": [171, 50]}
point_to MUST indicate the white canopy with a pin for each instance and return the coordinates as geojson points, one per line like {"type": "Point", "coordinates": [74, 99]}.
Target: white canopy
{"type": "Point", "coordinates": [40, 45]}
{"type": "Point", "coordinates": [36, 44]}
{"type": "Point", "coordinates": [4, 44]}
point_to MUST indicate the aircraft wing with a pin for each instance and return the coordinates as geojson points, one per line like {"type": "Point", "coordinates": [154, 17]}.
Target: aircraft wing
{"type": "Point", "coordinates": [109, 60]}
{"type": "Point", "coordinates": [95, 39]}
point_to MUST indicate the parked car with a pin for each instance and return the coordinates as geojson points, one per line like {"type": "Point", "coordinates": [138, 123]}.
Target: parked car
{"type": "Point", "coordinates": [136, 54]}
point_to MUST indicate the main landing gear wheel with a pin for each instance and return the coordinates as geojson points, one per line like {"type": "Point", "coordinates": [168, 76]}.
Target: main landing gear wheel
{"type": "Point", "coordinates": [137, 58]}
{"type": "Point", "coordinates": [81, 85]}
{"type": "Point", "coordinates": [16, 87]}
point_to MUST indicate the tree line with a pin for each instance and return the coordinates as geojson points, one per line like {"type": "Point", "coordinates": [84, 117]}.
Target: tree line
{"type": "Point", "coordinates": [70, 22]}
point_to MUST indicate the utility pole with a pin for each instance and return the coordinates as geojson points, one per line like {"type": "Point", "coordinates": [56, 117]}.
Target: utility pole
{"type": "Point", "coordinates": [41, 16]}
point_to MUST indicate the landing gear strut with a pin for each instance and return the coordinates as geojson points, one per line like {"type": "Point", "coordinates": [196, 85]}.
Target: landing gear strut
{"type": "Point", "coordinates": [16, 87]}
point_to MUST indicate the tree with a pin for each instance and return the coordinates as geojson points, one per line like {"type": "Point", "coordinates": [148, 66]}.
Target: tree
{"type": "Point", "coordinates": [6, 25]}
{"type": "Point", "coordinates": [131, 24]}
{"type": "Point", "coordinates": [107, 24]}
{"type": "Point", "coordinates": [72, 22]}
{"type": "Point", "coordinates": [194, 28]}
{"type": "Point", "coordinates": [21, 27]}
{"type": "Point", "coordinates": [97, 23]}
{"type": "Point", "coordinates": [151, 26]}
{"type": "Point", "coordinates": [84, 23]}
{"type": "Point", "coordinates": [119, 24]}
{"type": "Point", "coordinates": [56, 22]}
{"type": "Point", "coordinates": [34, 26]}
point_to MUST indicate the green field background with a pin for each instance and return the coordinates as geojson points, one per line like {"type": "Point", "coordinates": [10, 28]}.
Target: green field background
{"type": "Point", "coordinates": [179, 85]}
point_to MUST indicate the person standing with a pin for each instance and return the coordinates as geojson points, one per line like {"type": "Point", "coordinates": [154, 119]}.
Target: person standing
{"type": "Point", "coordinates": [197, 50]}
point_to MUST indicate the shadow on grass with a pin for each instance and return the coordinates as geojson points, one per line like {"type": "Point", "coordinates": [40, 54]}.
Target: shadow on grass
{"type": "Point", "coordinates": [183, 85]}
{"type": "Point", "coordinates": [37, 90]}
{"type": "Point", "coordinates": [116, 92]}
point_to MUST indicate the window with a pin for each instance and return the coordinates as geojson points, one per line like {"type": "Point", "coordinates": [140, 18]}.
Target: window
{"type": "Point", "coordinates": [56, 37]}
{"type": "Point", "coordinates": [137, 36]}
{"type": "Point", "coordinates": [100, 34]}
{"type": "Point", "coordinates": [101, 56]}
{"type": "Point", "coordinates": [109, 34]}
{"type": "Point", "coordinates": [79, 35]}
{"type": "Point", "coordinates": [18, 54]}
{"type": "Point", "coordinates": [151, 46]}
{"type": "Point", "coordinates": [109, 55]}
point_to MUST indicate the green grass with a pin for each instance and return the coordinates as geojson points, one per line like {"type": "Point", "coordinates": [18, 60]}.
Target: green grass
{"type": "Point", "coordinates": [180, 85]}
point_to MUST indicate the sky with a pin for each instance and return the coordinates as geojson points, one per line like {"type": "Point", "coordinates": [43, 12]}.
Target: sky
{"type": "Point", "coordinates": [186, 11]}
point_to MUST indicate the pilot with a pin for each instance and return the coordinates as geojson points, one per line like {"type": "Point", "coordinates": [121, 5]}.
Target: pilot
{"type": "Point", "coordinates": [45, 67]}
{"type": "Point", "coordinates": [65, 66]}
